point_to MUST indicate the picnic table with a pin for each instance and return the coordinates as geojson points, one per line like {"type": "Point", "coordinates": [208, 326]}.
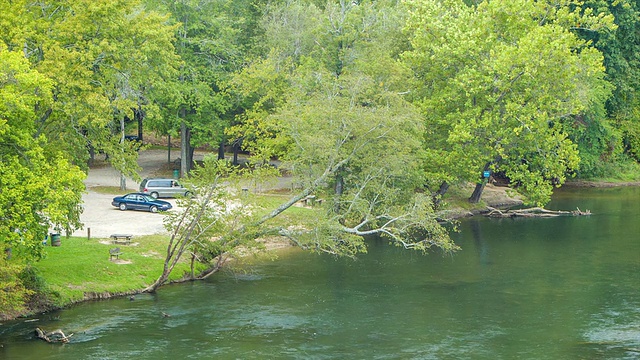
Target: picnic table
{"type": "Point", "coordinates": [121, 238]}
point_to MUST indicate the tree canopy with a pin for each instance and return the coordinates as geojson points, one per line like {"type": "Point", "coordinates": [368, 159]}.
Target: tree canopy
{"type": "Point", "coordinates": [39, 188]}
{"type": "Point", "coordinates": [495, 92]}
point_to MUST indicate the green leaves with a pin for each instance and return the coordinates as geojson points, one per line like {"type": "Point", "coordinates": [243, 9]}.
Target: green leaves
{"type": "Point", "coordinates": [104, 60]}
{"type": "Point", "coordinates": [348, 135]}
{"type": "Point", "coordinates": [13, 291]}
{"type": "Point", "coordinates": [495, 78]}
{"type": "Point", "coordinates": [326, 100]}
{"type": "Point", "coordinates": [39, 188]}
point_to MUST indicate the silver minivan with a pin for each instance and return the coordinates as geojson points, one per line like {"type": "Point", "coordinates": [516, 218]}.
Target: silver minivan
{"type": "Point", "coordinates": [163, 188]}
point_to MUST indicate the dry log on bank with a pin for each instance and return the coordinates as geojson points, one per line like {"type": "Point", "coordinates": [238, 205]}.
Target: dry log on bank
{"type": "Point", "coordinates": [53, 336]}
{"type": "Point", "coordinates": [533, 212]}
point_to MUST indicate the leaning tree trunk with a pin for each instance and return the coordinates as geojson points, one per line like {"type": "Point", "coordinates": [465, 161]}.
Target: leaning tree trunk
{"type": "Point", "coordinates": [477, 192]}
{"type": "Point", "coordinates": [156, 284]}
{"type": "Point", "coordinates": [436, 197]}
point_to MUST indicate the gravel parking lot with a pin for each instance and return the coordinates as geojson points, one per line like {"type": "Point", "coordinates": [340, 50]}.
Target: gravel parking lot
{"type": "Point", "coordinates": [103, 219]}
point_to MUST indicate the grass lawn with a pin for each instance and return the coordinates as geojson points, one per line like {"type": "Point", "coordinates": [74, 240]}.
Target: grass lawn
{"type": "Point", "coordinates": [82, 266]}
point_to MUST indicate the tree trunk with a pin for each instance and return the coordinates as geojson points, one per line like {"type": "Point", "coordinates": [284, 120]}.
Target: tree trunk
{"type": "Point", "coordinates": [192, 266]}
{"type": "Point", "coordinates": [190, 155]}
{"type": "Point", "coordinates": [180, 242]}
{"type": "Point", "coordinates": [339, 189]}
{"type": "Point", "coordinates": [123, 179]}
{"type": "Point", "coordinates": [534, 212]}
{"type": "Point", "coordinates": [92, 155]}
{"type": "Point", "coordinates": [221, 151]}
{"type": "Point", "coordinates": [437, 196]}
{"type": "Point", "coordinates": [169, 149]}
{"type": "Point", "coordinates": [139, 116]}
{"type": "Point", "coordinates": [166, 271]}
{"type": "Point", "coordinates": [236, 149]}
{"type": "Point", "coordinates": [477, 192]}
{"type": "Point", "coordinates": [53, 336]}
{"type": "Point", "coordinates": [184, 146]}
{"type": "Point", "coordinates": [153, 287]}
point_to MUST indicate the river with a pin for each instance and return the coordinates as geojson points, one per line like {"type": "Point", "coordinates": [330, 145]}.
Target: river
{"type": "Point", "coordinates": [559, 288]}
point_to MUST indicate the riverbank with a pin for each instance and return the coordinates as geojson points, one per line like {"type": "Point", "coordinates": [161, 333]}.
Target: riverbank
{"type": "Point", "coordinates": [80, 270]}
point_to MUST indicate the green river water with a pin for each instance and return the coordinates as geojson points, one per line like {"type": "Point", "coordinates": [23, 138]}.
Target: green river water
{"type": "Point", "coordinates": [561, 288]}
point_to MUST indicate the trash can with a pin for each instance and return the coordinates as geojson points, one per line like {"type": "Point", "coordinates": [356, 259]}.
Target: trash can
{"type": "Point", "coordinates": [55, 239]}
{"type": "Point", "coordinates": [176, 173]}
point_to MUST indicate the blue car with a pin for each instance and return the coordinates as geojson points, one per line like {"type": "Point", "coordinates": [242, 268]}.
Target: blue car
{"type": "Point", "coordinates": [138, 201]}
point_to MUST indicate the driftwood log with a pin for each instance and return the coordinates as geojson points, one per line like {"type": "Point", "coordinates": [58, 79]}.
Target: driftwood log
{"type": "Point", "coordinates": [53, 336]}
{"type": "Point", "coordinates": [533, 212]}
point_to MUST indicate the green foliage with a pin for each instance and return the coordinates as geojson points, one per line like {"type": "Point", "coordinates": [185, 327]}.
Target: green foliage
{"type": "Point", "coordinates": [614, 127]}
{"type": "Point", "coordinates": [260, 89]}
{"type": "Point", "coordinates": [212, 42]}
{"type": "Point", "coordinates": [110, 54]}
{"type": "Point", "coordinates": [39, 188]}
{"type": "Point", "coordinates": [496, 81]}
{"type": "Point", "coordinates": [620, 46]}
{"type": "Point", "coordinates": [13, 292]}
{"type": "Point", "coordinates": [598, 144]}
{"type": "Point", "coordinates": [34, 282]}
{"type": "Point", "coordinates": [333, 113]}
{"type": "Point", "coordinates": [334, 37]}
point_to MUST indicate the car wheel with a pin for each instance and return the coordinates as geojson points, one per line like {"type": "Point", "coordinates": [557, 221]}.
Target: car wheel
{"type": "Point", "coordinates": [123, 206]}
{"type": "Point", "coordinates": [188, 194]}
{"type": "Point", "coordinates": [153, 209]}
{"type": "Point", "coordinates": [154, 195]}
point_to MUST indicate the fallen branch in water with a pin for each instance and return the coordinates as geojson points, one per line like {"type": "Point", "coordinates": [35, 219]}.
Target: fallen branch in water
{"type": "Point", "coordinates": [533, 212]}
{"type": "Point", "coordinates": [53, 336]}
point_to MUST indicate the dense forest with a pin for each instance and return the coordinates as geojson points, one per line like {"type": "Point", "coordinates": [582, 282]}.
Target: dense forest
{"type": "Point", "coordinates": [376, 106]}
